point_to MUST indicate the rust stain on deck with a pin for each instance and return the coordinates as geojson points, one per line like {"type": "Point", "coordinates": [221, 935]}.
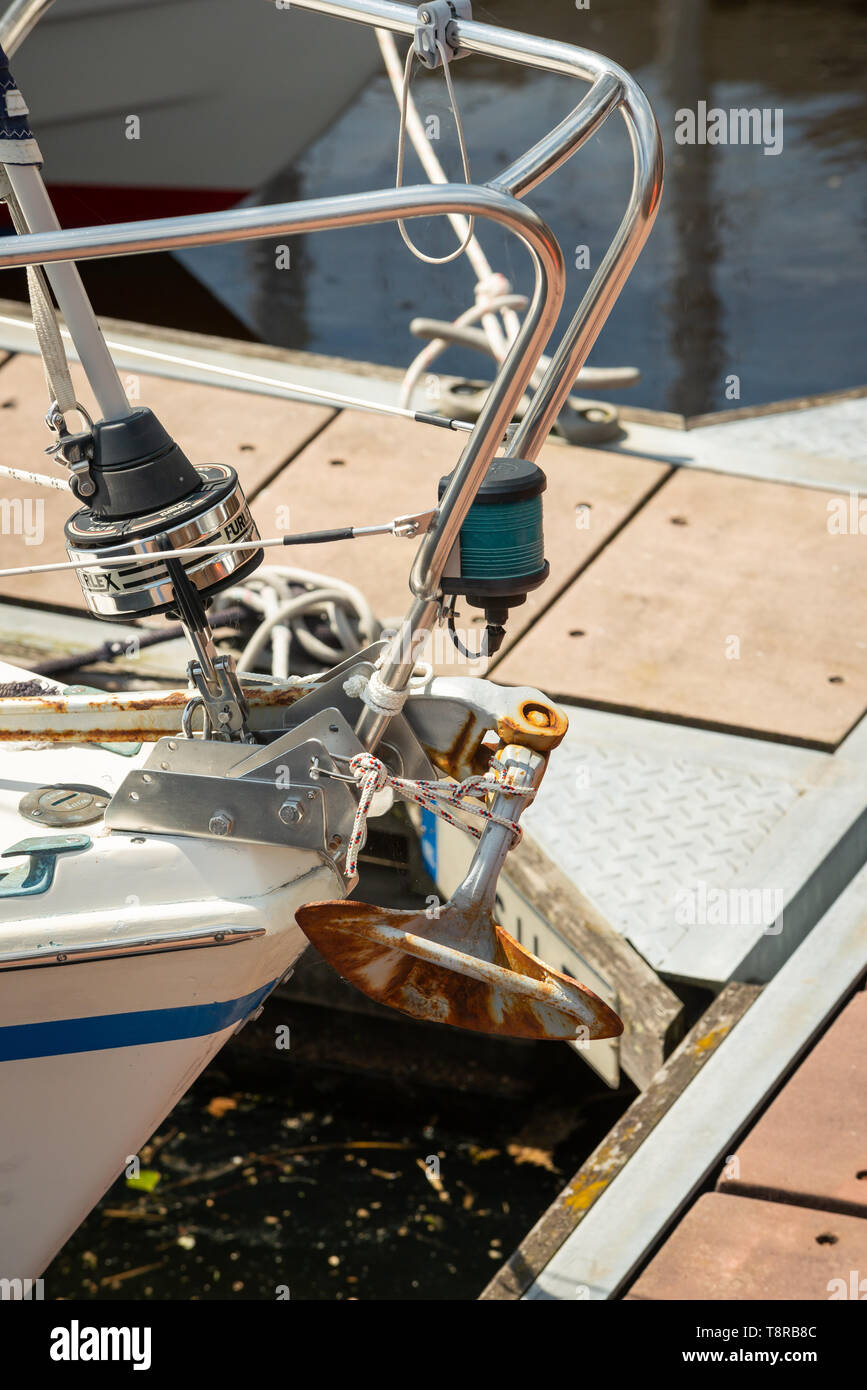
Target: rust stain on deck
{"type": "Point", "coordinates": [145, 731]}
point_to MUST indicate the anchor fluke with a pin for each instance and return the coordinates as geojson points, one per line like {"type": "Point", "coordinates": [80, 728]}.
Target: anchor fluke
{"type": "Point", "coordinates": [456, 964]}
{"type": "Point", "coordinates": [410, 963]}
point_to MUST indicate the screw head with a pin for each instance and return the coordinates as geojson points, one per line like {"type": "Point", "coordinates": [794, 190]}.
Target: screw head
{"type": "Point", "coordinates": [291, 812]}
{"type": "Point", "coordinates": [221, 824]}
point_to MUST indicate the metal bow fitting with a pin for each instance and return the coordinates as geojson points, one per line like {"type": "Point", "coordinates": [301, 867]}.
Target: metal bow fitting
{"type": "Point", "coordinates": [455, 964]}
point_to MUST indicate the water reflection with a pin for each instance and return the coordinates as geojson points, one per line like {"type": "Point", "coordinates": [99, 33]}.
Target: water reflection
{"type": "Point", "coordinates": [754, 273]}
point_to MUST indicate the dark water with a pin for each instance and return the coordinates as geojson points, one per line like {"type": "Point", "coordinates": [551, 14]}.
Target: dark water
{"type": "Point", "coordinates": [756, 266]}
{"type": "Point", "coordinates": [306, 1174]}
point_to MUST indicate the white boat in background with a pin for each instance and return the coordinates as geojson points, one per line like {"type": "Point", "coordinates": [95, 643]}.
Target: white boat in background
{"type": "Point", "coordinates": [147, 108]}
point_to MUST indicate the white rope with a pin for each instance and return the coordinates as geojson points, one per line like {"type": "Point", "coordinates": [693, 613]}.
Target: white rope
{"type": "Point", "coordinates": [39, 479]}
{"type": "Point", "coordinates": [374, 693]}
{"type": "Point", "coordinates": [264, 597]}
{"type": "Point", "coordinates": [381, 698]}
{"type": "Point", "coordinates": [490, 284]}
{"type": "Point", "coordinates": [401, 147]}
{"type": "Point", "coordinates": [290, 608]}
{"type": "Point", "coordinates": [355, 606]}
{"type": "Point", "coordinates": [432, 350]}
{"type": "Point", "coordinates": [412, 122]}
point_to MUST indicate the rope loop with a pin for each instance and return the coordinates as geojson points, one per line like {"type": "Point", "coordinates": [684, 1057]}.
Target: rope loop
{"type": "Point", "coordinates": [401, 148]}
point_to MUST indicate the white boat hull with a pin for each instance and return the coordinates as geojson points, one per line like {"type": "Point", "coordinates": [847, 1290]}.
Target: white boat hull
{"type": "Point", "coordinates": [94, 1052]}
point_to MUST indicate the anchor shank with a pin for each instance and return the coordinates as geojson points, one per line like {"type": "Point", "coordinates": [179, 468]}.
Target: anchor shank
{"type": "Point", "coordinates": [525, 769]}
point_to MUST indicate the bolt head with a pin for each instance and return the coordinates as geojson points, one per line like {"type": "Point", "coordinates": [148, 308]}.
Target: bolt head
{"type": "Point", "coordinates": [221, 824]}
{"type": "Point", "coordinates": [291, 812]}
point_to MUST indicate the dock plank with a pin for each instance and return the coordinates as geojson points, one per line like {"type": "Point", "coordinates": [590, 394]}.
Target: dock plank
{"type": "Point", "coordinates": [595, 1176]}
{"type": "Point", "coordinates": [362, 469]}
{"type": "Point", "coordinates": [725, 602]}
{"type": "Point", "coordinates": [254, 434]}
{"type": "Point", "coordinates": [740, 1248]}
{"type": "Point", "coordinates": [826, 1097]}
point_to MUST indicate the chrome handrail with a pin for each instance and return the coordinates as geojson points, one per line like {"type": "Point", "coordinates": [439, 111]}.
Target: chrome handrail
{"type": "Point", "coordinates": [613, 89]}
{"type": "Point", "coordinates": [18, 21]}
{"type": "Point", "coordinates": [352, 210]}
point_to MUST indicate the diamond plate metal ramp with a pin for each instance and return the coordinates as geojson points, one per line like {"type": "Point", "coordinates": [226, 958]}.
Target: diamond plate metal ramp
{"type": "Point", "coordinates": [712, 854]}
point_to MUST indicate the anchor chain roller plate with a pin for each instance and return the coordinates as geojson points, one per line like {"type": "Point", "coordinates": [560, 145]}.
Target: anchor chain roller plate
{"type": "Point", "coordinates": [277, 793]}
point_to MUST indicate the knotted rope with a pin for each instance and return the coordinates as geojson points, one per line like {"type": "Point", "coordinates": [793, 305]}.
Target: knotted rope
{"type": "Point", "coordinates": [379, 697]}
{"type": "Point", "coordinates": [372, 776]}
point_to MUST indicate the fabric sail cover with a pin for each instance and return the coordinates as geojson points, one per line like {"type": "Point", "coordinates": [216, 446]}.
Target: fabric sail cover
{"type": "Point", "coordinates": [17, 145]}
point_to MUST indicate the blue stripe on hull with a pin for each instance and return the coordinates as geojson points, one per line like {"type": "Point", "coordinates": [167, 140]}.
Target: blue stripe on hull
{"type": "Point", "coordinates": [21, 1040]}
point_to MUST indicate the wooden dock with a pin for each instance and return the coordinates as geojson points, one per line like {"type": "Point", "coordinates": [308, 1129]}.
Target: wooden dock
{"type": "Point", "coordinates": [787, 1218]}
{"type": "Point", "coordinates": [737, 1174]}
{"type": "Point", "coordinates": [675, 593]}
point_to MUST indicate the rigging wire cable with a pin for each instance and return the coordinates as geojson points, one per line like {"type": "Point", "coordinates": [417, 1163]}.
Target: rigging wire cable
{"type": "Point", "coordinates": [343, 533]}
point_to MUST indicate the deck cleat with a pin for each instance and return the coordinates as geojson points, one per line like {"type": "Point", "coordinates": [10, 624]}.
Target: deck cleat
{"type": "Point", "coordinates": [454, 964]}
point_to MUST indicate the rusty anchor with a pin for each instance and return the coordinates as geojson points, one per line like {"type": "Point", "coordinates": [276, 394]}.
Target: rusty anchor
{"type": "Point", "coordinates": [456, 965]}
